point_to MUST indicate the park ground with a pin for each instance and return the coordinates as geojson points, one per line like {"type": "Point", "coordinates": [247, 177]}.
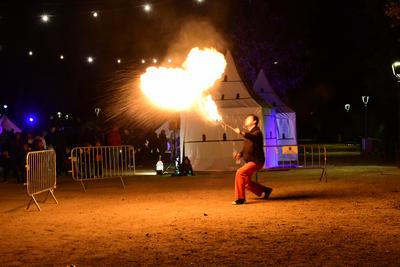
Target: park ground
{"type": "Point", "coordinates": [351, 220]}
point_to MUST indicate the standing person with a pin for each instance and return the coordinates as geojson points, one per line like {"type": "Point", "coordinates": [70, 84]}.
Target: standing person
{"type": "Point", "coordinates": [114, 137]}
{"type": "Point", "coordinates": [253, 155]}
{"type": "Point", "coordinates": [162, 144]}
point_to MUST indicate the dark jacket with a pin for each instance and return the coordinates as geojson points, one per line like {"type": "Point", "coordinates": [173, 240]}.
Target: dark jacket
{"type": "Point", "coordinates": [253, 146]}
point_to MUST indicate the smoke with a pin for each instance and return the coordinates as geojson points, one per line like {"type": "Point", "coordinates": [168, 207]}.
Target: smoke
{"type": "Point", "coordinates": [195, 33]}
{"type": "Point", "coordinates": [125, 102]}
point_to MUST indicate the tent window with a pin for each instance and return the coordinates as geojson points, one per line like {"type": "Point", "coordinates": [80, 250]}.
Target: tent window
{"type": "Point", "coordinates": [283, 136]}
{"type": "Point", "coordinates": [203, 137]}
{"type": "Point", "coordinates": [225, 78]}
{"type": "Point", "coordinates": [224, 137]}
{"type": "Point", "coordinates": [237, 96]}
{"type": "Point", "coordinates": [222, 97]}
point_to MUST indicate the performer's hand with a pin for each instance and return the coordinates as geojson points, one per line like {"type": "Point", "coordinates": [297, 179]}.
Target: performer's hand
{"type": "Point", "coordinates": [237, 130]}
{"type": "Point", "coordinates": [237, 155]}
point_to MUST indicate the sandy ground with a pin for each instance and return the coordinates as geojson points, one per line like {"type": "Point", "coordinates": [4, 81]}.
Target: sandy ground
{"type": "Point", "coordinates": [354, 219]}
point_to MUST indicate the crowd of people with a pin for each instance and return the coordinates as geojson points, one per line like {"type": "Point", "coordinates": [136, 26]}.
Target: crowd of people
{"type": "Point", "coordinates": [14, 146]}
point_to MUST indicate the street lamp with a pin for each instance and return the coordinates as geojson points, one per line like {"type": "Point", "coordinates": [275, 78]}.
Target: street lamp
{"type": "Point", "coordinates": [365, 100]}
{"type": "Point", "coordinates": [396, 73]}
{"type": "Point", "coordinates": [97, 111]}
{"type": "Point", "coordinates": [396, 70]}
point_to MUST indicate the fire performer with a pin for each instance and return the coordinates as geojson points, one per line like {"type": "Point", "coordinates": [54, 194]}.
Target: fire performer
{"type": "Point", "coordinates": [253, 155]}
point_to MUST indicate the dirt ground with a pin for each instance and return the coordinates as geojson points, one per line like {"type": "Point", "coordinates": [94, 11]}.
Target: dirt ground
{"type": "Point", "coordinates": [353, 219]}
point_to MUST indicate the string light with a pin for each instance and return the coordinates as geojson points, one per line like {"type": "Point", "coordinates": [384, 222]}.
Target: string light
{"type": "Point", "coordinates": [45, 18]}
{"type": "Point", "coordinates": [90, 60]}
{"type": "Point", "coordinates": [147, 7]}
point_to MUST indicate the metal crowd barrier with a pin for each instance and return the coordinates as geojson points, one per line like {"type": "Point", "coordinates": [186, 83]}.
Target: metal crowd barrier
{"type": "Point", "coordinates": [101, 162]}
{"type": "Point", "coordinates": [298, 157]}
{"type": "Point", "coordinates": [40, 174]}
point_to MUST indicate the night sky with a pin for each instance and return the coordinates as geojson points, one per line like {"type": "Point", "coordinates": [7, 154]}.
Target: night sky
{"type": "Point", "coordinates": [318, 55]}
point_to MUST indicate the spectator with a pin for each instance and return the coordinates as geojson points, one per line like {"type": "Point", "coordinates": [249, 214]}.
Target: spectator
{"type": "Point", "coordinates": [185, 169]}
{"type": "Point", "coordinates": [162, 144]}
{"type": "Point", "coordinates": [114, 137]}
{"type": "Point", "coordinates": [8, 164]}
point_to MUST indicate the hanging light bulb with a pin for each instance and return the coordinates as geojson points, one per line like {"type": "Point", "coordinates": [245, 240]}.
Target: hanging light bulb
{"type": "Point", "coordinates": [45, 18]}
{"type": "Point", "coordinates": [147, 7]}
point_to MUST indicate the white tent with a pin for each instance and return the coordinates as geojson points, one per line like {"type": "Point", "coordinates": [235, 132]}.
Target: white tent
{"type": "Point", "coordinates": [285, 117]}
{"type": "Point", "coordinates": [210, 146]}
{"type": "Point", "coordinates": [7, 124]}
{"type": "Point", "coordinates": [284, 132]}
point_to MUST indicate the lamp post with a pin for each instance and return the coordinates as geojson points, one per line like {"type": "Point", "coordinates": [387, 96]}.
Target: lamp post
{"type": "Point", "coordinates": [365, 100]}
{"type": "Point", "coordinates": [396, 73]}
{"type": "Point", "coordinates": [347, 123]}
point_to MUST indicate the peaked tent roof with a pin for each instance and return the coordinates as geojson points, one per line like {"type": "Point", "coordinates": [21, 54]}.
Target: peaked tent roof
{"type": "Point", "coordinates": [265, 91]}
{"type": "Point", "coordinates": [232, 91]}
{"type": "Point", "coordinates": [6, 123]}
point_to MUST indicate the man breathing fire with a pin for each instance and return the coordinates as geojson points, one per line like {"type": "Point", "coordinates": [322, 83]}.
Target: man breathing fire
{"type": "Point", "coordinates": [253, 155]}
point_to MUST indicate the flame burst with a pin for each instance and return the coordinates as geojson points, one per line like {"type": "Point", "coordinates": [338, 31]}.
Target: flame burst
{"type": "Point", "coordinates": [179, 89]}
{"type": "Point", "coordinates": [209, 108]}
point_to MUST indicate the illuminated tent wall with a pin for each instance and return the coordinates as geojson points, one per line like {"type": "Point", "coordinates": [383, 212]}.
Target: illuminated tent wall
{"type": "Point", "coordinates": [284, 118]}
{"type": "Point", "coordinates": [208, 145]}
{"type": "Point", "coordinates": [7, 124]}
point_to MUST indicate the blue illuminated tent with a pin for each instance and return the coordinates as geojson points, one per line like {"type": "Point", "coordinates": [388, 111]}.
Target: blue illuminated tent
{"type": "Point", "coordinates": [7, 124]}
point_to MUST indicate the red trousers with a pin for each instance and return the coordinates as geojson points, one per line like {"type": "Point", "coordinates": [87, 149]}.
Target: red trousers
{"type": "Point", "coordinates": [243, 180]}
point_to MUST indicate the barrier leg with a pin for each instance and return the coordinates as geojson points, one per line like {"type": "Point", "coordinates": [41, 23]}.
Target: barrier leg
{"type": "Point", "coordinates": [324, 174]}
{"type": "Point", "coordinates": [30, 202]}
{"type": "Point", "coordinates": [52, 194]}
{"type": "Point", "coordinates": [122, 181]}
{"type": "Point", "coordinates": [83, 185]}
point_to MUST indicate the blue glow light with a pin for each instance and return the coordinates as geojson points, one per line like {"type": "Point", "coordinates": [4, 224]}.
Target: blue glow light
{"type": "Point", "coordinates": [31, 120]}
